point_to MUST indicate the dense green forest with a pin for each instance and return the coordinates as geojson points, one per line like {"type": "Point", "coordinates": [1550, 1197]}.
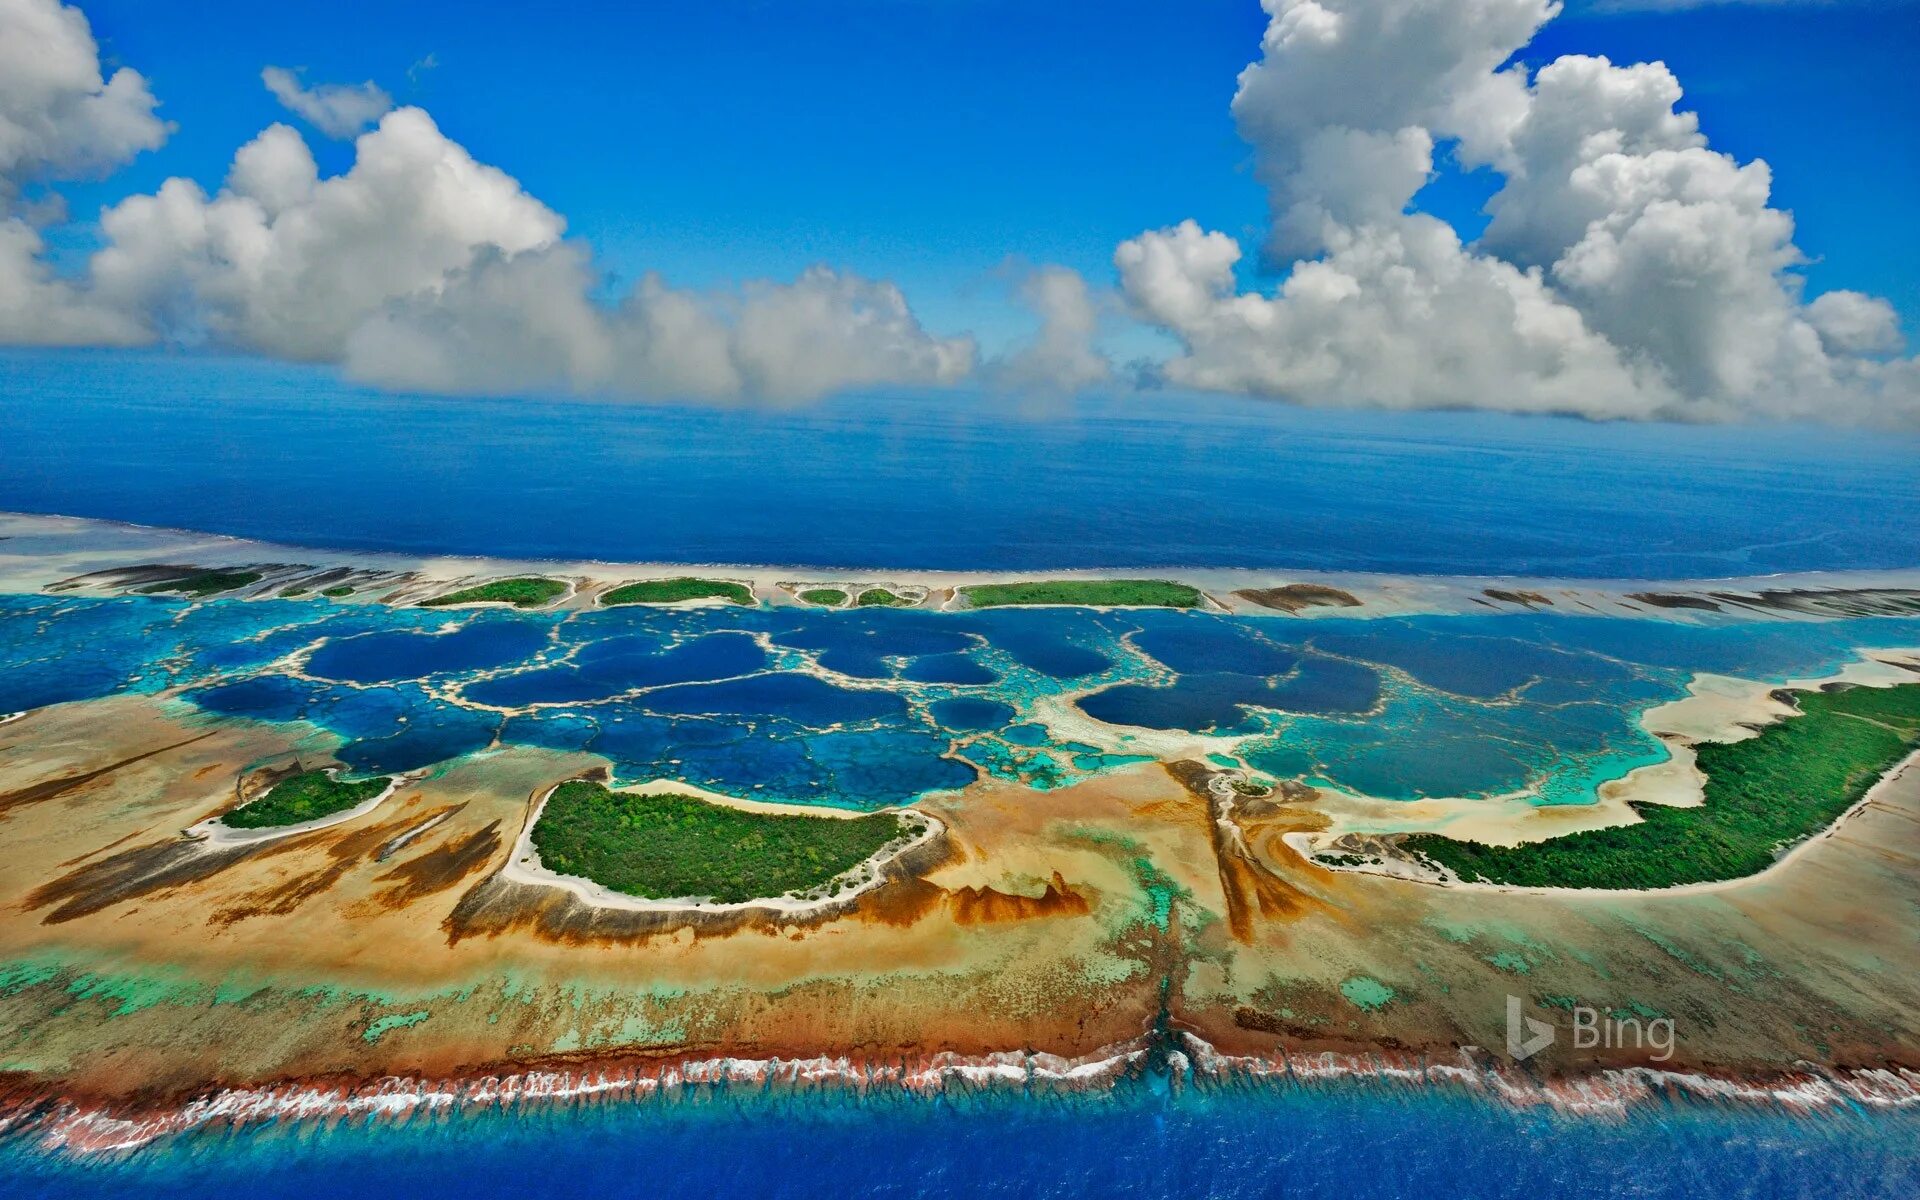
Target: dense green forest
{"type": "Point", "coordinates": [671, 846]}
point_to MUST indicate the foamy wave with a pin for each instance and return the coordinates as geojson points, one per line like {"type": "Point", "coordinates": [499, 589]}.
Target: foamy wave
{"type": "Point", "coordinates": [1605, 1093]}
{"type": "Point", "coordinates": [91, 1129]}
{"type": "Point", "coordinates": [66, 1125]}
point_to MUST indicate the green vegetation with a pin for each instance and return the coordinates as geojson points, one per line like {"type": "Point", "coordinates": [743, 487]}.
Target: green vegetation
{"type": "Point", "coordinates": [880, 598]}
{"type": "Point", "coordinates": [1766, 793]}
{"type": "Point", "coordinates": [293, 592]}
{"type": "Point", "coordinates": [670, 846]}
{"type": "Point", "coordinates": [828, 597]}
{"type": "Point", "coordinates": [201, 584]}
{"type": "Point", "coordinates": [674, 591]}
{"type": "Point", "coordinates": [307, 796]}
{"type": "Point", "coordinates": [335, 593]}
{"type": "Point", "coordinates": [526, 592]}
{"type": "Point", "coordinates": [1092, 593]}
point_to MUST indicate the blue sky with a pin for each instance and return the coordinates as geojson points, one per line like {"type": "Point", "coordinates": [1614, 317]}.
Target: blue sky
{"type": "Point", "coordinates": [927, 142]}
{"type": "Point", "coordinates": [967, 170]}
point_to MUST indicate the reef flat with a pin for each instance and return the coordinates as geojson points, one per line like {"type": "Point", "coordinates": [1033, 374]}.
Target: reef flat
{"type": "Point", "coordinates": [1761, 795]}
{"type": "Point", "coordinates": [109, 557]}
{"type": "Point", "coordinates": [1122, 838]}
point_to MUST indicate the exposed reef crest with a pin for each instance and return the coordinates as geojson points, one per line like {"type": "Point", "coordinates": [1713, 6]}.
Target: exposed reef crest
{"type": "Point", "coordinates": [78, 1125]}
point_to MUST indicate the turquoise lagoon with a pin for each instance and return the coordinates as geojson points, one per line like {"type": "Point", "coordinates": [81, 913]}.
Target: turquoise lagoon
{"type": "Point", "coordinates": [878, 707]}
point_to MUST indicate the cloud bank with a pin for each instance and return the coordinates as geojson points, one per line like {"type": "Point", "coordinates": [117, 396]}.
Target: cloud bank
{"type": "Point", "coordinates": [1629, 270]}
{"type": "Point", "coordinates": [421, 268]}
{"type": "Point", "coordinates": [60, 119]}
{"type": "Point", "coordinates": [418, 267]}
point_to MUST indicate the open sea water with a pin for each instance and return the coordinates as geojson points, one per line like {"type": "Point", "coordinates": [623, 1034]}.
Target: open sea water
{"type": "Point", "coordinates": [1351, 1144]}
{"type": "Point", "coordinates": [961, 480]}
{"type": "Point", "coordinates": [982, 482]}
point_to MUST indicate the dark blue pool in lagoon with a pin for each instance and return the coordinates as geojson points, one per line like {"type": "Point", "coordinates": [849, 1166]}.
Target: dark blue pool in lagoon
{"type": "Point", "coordinates": [881, 706]}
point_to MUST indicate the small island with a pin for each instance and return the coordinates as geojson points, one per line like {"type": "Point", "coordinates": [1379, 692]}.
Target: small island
{"type": "Point", "coordinates": [824, 597]}
{"type": "Point", "coordinates": [678, 591]}
{"type": "Point", "coordinates": [202, 584]}
{"type": "Point", "coordinates": [1763, 795]}
{"type": "Point", "coordinates": [1088, 593]}
{"type": "Point", "coordinates": [668, 846]}
{"type": "Point", "coordinates": [307, 796]}
{"type": "Point", "coordinates": [879, 597]}
{"type": "Point", "coordinates": [525, 592]}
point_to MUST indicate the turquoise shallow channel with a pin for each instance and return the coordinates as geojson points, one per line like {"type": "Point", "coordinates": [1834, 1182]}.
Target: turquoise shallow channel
{"type": "Point", "coordinates": [871, 708]}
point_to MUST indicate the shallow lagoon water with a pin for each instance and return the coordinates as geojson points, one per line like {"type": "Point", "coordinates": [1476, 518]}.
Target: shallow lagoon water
{"type": "Point", "coordinates": [879, 707]}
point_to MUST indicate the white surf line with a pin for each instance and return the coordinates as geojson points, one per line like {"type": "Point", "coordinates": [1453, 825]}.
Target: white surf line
{"type": "Point", "coordinates": [1607, 1093]}
{"type": "Point", "coordinates": [80, 1128]}
{"type": "Point", "coordinates": [524, 866]}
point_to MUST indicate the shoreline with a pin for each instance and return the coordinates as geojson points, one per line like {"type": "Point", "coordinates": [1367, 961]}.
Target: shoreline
{"type": "Point", "coordinates": [1896, 775]}
{"type": "Point", "coordinates": [76, 1126]}
{"type": "Point", "coordinates": [71, 547]}
{"type": "Point", "coordinates": [523, 865]}
{"type": "Point", "coordinates": [1716, 708]}
{"type": "Point", "coordinates": [213, 833]}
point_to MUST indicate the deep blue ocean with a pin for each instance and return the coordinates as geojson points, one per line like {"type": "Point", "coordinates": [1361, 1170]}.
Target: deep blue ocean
{"type": "Point", "coordinates": [1350, 1144]}
{"type": "Point", "coordinates": [963, 481]}
{"type": "Point", "coordinates": [959, 481]}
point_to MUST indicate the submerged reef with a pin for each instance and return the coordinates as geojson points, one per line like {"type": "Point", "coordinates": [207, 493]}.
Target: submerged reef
{"type": "Point", "coordinates": [623, 850]}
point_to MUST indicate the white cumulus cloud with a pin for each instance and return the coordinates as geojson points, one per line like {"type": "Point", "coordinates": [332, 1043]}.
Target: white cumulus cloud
{"type": "Point", "coordinates": [60, 119]}
{"type": "Point", "coordinates": [417, 267]}
{"type": "Point", "coordinates": [1856, 323]}
{"type": "Point", "coordinates": [283, 262]}
{"type": "Point", "coordinates": [421, 268]}
{"type": "Point", "coordinates": [527, 321]}
{"type": "Point", "coordinates": [1395, 314]}
{"type": "Point", "coordinates": [36, 308]}
{"type": "Point", "coordinates": [1061, 357]}
{"type": "Point", "coordinates": [339, 110]}
{"type": "Point", "coordinates": [1628, 270]}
